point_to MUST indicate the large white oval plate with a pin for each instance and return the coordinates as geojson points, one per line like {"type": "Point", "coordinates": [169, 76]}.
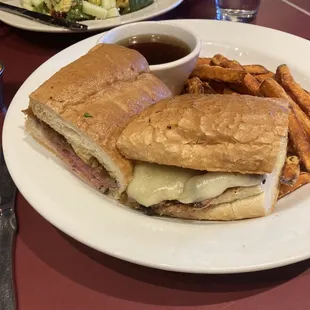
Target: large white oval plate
{"type": "Point", "coordinates": [157, 8]}
{"type": "Point", "coordinates": [279, 239]}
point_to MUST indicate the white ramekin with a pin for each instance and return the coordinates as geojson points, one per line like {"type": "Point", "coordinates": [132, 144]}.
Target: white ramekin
{"type": "Point", "coordinates": [173, 74]}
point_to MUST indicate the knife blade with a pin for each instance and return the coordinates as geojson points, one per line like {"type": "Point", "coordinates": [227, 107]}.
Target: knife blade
{"type": "Point", "coordinates": [8, 227]}
{"type": "Point", "coordinates": [42, 18]}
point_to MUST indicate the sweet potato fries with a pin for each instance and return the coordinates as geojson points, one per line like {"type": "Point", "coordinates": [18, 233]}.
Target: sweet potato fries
{"type": "Point", "coordinates": [219, 74]}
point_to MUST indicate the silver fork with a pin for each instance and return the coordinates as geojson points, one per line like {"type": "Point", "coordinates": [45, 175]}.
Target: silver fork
{"type": "Point", "coordinates": [8, 227]}
{"type": "Point", "coordinates": [8, 224]}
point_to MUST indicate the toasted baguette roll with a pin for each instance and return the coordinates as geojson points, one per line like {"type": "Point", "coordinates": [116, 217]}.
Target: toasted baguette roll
{"type": "Point", "coordinates": [179, 142]}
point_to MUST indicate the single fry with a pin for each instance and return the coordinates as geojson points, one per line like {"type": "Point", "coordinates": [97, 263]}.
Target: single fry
{"type": "Point", "coordinates": [252, 85]}
{"type": "Point", "coordinates": [300, 140]}
{"type": "Point", "coordinates": [262, 77]}
{"type": "Point", "coordinates": [204, 61]}
{"type": "Point", "coordinates": [229, 91]}
{"type": "Point", "coordinates": [194, 86]}
{"type": "Point", "coordinates": [249, 85]}
{"type": "Point", "coordinates": [291, 171]}
{"type": "Point", "coordinates": [286, 80]}
{"type": "Point", "coordinates": [270, 88]}
{"type": "Point", "coordinates": [303, 179]}
{"type": "Point", "coordinates": [303, 119]}
{"type": "Point", "coordinates": [206, 72]}
{"type": "Point", "coordinates": [255, 69]}
{"type": "Point", "coordinates": [222, 61]}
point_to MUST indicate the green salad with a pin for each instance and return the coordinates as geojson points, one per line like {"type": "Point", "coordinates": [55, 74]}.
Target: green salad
{"type": "Point", "coordinates": [78, 10]}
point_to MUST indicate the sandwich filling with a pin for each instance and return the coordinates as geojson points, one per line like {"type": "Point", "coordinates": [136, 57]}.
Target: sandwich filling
{"type": "Point", "coordinates": [88, 169]}
{"type": "Point", "coordinates": [152, 184]}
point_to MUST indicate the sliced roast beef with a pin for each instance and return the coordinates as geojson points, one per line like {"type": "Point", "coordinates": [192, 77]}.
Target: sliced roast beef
{"type": "Point", "coordinates": [93, 171]}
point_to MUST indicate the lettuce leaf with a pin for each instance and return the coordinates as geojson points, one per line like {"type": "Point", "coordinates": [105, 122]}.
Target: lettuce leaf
{"type": "Point", "coordinates": [135, 5]}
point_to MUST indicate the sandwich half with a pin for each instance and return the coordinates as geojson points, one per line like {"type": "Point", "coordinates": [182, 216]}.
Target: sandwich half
{"type": "Point", "coordinates": [79, 113]}
{"type": "Point", "coordinates": [215, 157]}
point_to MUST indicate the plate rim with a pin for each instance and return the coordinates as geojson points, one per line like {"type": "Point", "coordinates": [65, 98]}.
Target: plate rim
{"type": "Point", "coordinates": [136, 261]}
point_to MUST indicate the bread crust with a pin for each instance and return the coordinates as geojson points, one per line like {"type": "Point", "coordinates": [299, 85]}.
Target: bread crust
{"type": "Point", "coordinates": [238, 209]}
{"type": "Point", "coordinates": [91, 100]}
{"type": "Point", "coordinates": [211, 133]}
{"type": "Point", "coordinates": [103, 65]}
{"type": "Point", "coordinates": [250, 207]}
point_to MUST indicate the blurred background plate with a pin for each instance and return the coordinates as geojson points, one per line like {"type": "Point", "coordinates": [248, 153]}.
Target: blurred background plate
{"type": "Point", "coordinates": [157, 8]}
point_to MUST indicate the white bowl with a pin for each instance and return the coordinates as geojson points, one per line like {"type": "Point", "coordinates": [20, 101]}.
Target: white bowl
{"type": "Point", "coordinates": [173, 74]}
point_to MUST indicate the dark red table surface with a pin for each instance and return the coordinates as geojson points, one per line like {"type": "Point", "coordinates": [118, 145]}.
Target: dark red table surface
{"type": "Point", "coordinates": [54, 272]}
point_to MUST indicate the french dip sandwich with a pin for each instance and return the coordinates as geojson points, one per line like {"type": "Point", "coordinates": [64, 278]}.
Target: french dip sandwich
{"type": "Point", "coordinates": [215, 157]}
{"type": "Point", "coordinates": [79, 113]}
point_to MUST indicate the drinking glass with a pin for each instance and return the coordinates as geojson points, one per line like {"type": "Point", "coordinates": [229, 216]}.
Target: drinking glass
{"type": "Point", "coordinates": [236, 10]}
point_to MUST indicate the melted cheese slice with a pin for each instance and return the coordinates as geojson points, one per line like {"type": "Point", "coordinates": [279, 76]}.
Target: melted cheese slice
{"type": "Point", "coordinates": [154, 183]}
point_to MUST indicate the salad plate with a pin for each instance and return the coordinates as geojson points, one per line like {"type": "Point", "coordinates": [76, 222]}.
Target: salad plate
{"type": "Point", "coordinates": [151, 10]}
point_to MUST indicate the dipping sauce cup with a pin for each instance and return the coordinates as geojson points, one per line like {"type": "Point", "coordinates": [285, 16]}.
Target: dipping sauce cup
{"type": "Point", "coordinates": [174, 74]}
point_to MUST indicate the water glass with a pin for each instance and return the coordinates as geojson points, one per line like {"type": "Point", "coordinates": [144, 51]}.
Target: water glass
{"type": "Point", "coordinates": [236, 10]}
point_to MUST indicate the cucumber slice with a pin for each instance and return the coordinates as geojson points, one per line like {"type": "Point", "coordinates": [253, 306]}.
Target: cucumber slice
{"type": "Point", "coordinates": [106, 4]}
{"type": "Point", "coordinates": [94, 10]}
{"type": "Point", "coordinates": [113, 13]}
